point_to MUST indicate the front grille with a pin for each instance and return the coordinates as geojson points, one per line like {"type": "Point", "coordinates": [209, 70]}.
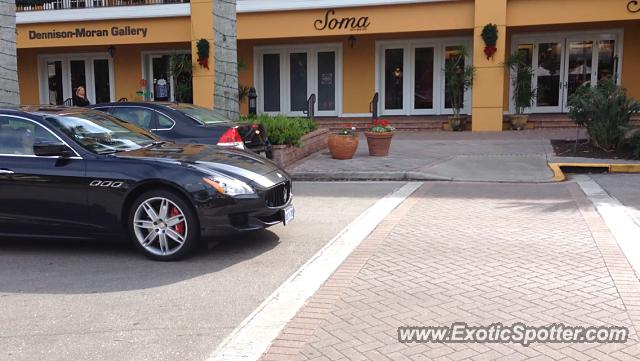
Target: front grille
{"type": "Point", "coordinates": [278, 195]}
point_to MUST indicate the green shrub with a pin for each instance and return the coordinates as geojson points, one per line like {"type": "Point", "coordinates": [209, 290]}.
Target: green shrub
{"type": "Point", "coordinates": [605, 110]}
{"type": "Point", "coordinates": [635, 144]}
{"type": "Point", "coordinates": [283, 130]}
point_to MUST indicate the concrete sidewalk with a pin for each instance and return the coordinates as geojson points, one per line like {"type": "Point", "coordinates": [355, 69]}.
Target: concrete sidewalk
{"type": "Point", "coordinates": [537, 254]}
{"type": "Point", "coordinates": [465, 156]}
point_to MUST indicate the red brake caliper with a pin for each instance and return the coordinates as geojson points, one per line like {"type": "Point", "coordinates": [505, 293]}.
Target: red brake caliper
{"type": "Point", "coordinates": [180, 226]}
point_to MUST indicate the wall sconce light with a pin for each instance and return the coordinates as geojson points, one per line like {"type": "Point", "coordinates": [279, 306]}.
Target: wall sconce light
{"type": "Point", "coordinates": [352, 41]}
{"type": "Point", "coordinates": [111, 50]}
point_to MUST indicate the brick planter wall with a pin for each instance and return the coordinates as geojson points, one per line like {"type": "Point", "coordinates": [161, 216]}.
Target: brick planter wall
{"type": "Point", "coordinates": [285, 155]}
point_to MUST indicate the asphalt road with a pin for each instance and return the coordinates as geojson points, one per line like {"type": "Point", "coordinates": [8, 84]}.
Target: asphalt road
{"type": "Point", "coordinates": [63, 300]}
{"type": "Point", "coordinates": [625, 188]}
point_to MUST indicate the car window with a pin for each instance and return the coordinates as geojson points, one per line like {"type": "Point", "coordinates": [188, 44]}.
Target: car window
{"type": "Point", "coordinates": [101, 133]}
{"type": "Point", "coordinates": [17, 136]}
{"type": "Point", "coordinates": [164, 122]}
{"type": "Point", "coordinates": [139, 116]}
{"type": "Point", "coordinates": [201, 115]}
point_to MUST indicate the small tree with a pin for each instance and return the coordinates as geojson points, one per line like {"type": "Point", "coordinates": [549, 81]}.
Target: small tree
{"type": "Point", "coordinates": [459, 79]}
{"type": "Point", "coordinates": [181, 70]}
{"type": "Point", "coordinates": [605, 110]}
{"type": "Point", "coordinates": [521, 76]}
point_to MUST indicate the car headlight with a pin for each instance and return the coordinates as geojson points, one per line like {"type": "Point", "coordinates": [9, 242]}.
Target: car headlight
{"type": "Point", "coordinates": [227, 185]}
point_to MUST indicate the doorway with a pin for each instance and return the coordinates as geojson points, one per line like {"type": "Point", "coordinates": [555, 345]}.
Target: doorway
{"type": "Point", "coordinates": [61, 75]}
{"type": "Point", "coordinates": [563, 62]}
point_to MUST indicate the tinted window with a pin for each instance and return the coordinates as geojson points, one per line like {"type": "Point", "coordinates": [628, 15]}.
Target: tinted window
{"type": "Point", "coordinates": [164, 122]}
{"type": "Point", "coordinates": [101, 133]}
{"type": "Point", "coordinates": [139, 116]}
{"type": "Point", "coordinates": [271, 81]}
{"type": "Point", "coordinates": [201, 115]}
{"type": "Point", "coordinates": [17, 136]}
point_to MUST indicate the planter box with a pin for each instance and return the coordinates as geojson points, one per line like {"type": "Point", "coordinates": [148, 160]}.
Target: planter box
{"type": "Point", "coordinates": [285, 155]}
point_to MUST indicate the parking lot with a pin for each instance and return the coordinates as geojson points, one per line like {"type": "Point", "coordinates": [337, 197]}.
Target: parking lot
{"type": "Point", "coordinates": [64, 300]}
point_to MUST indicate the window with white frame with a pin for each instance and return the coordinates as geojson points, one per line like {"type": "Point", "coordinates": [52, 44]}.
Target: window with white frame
{"type": "Point", "coordinates": [61, 75]}
{"type": "Point", "coordinates": [286, 76]}
{"type": "Point", "coordinates": [562, 62]}
{"type": "Point", "coordinates": [410, 75]}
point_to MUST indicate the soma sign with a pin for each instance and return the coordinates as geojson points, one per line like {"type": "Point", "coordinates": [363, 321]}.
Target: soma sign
{"type": "Point", "coordinates": [633, 6]}
{"type": "Point", "coordinates": [332, 22]}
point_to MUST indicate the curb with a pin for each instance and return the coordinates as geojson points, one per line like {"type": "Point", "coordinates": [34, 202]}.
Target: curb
{"type": "Point", "coordinates": [558, 174]}
{"type": "Point", "coordinates": [366, 176]}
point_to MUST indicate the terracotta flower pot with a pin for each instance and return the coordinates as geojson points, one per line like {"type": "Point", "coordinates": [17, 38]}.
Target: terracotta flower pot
{"type": "Point", "coordinates": [343, 146]}
{"type": "Point", "coordinates": [519, 122]}
{"type": "Point", "coordinates": [379, 143]}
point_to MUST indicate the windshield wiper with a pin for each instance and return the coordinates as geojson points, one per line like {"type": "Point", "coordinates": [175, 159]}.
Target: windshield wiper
{"type": "Point", "coordinates": [154, 144]}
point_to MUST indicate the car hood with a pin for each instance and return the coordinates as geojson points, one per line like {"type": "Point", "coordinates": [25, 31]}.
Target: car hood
{"type": "Point", "coordinates": [240, 164]}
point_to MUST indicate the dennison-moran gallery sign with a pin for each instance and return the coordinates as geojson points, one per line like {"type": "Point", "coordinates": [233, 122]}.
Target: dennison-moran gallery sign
{"type": "Point", "coordinates": [88, 33]}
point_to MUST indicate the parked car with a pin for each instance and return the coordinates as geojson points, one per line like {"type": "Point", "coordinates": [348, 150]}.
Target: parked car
{"type": "Point", "coordinates": [187, 123]}
{"type": "Point", "coordinates": [80, 173]}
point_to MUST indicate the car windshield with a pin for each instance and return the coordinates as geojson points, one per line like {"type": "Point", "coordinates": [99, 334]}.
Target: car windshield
{"type": "Point", "coordinates": [100, 133]}
{"type": "Point", "coordinates": [201, 115]}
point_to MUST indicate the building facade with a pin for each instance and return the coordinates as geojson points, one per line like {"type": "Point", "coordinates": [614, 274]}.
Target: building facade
{"type": "Point", "coordinates": [342, 51]}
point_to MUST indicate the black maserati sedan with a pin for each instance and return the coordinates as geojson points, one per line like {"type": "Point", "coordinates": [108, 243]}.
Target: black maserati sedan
{"type": "Point", "coordinates": [187, 123]}
{"type": "Point", "coordinates": [81, 173]}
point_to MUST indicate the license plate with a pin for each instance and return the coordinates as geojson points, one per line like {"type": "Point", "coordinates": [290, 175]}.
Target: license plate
{"type": "Point", "coordinates": [288, 215]}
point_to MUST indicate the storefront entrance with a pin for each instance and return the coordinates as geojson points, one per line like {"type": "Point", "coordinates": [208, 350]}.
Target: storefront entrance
{"type": "Point", "coordinates": [564, 62]}
{"type": "Point", "coordinates": [410, 77]}
{"type": "Point", "coordinates": [61, 75]}
{"type": "Point", "coordinates": [286, 76]}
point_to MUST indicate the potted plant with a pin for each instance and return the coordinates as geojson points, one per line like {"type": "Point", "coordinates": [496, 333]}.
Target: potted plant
{"type": "Point", "coordinates": [379, 138]}
{"type": "Point", "coordinates": [458, 79]}
{"type": "Point", "coordinates": [343, 143]}
{"type": "Point", "coordinates": [523, 92]}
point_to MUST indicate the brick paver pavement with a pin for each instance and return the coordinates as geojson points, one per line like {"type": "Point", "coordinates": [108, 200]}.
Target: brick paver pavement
{"type": "Point", "coordinates": [475, 253]}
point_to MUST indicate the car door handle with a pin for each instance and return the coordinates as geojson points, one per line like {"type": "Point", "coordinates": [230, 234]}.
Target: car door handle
{"type": "Point", "coordinates": [6, 171]}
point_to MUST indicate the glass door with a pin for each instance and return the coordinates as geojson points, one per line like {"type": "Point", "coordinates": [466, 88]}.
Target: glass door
{"type": "Point", "coordinates": [162, 83]}
{"type": "Point", "coordinates": [55, 91]}
{"type": "Point", "coordinates": [326, 79]}
{"type": "Point", "coordinates": [298, 82]}
{"type": "Point", "coordinates": [287, 76]}
{"type": "Point", "coordinates": [101, 81]}
{"type": "Point", "coordinates": [423, 98]}
{"type": "Point", "coordinates": [578, 68]}
{"type": "Point", "coordinates": [562, 64]}
{"type": "Point", "coordinates": [62, 75]}
{"type": "Point", "coordinates": [393, 81]}
{"type": "Point", "coordinates": [548, 75]}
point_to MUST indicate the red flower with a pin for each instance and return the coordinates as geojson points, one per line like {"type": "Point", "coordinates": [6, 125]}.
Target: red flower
{"type": "Point", "coordinates": [384, 123]}
{"type": "Point", "coordinates": [376, 122]}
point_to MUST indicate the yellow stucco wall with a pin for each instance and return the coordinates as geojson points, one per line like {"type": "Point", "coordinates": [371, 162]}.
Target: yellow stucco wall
{"type": "Point", "coordinates": [435, 16]}
{"type": "Point", "coordinates": [202, 28]}
{"type": "Point", "coordinates": [158, 31]}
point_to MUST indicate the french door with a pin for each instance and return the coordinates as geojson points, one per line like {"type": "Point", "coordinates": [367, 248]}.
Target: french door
{"type": "Point", "coordinates": [60, 76]}
{"type": "Point", "coordinates": [411, 79]}
{"type": "Point", "coordinates": [562, 64]}
{"type": "Point", "coordinates": [287, 76]}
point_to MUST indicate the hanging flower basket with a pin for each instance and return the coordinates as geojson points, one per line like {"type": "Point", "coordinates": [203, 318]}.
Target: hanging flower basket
{"type": "Point", "coordinates": [203, 53]}
{"type": "Point", "coordinates": [490, 37]}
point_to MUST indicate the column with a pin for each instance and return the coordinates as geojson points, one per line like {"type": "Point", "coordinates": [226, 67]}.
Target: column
{"type": "Point", "coordinates": [202, 28]}
{"type": "Point", "coordinates": [488, 86]}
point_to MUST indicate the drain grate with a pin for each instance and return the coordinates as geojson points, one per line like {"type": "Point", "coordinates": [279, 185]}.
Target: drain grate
{"type": "Point", "coordinates": [587, 169]}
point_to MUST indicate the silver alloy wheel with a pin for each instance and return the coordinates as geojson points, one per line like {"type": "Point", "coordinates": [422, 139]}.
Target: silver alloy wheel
{"type": "Point", "coordinates": [160, 226]}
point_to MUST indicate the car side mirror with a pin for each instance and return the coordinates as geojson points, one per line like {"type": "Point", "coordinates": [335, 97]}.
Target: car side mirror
{"type": "Point", "coordinates": [52, 149]}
